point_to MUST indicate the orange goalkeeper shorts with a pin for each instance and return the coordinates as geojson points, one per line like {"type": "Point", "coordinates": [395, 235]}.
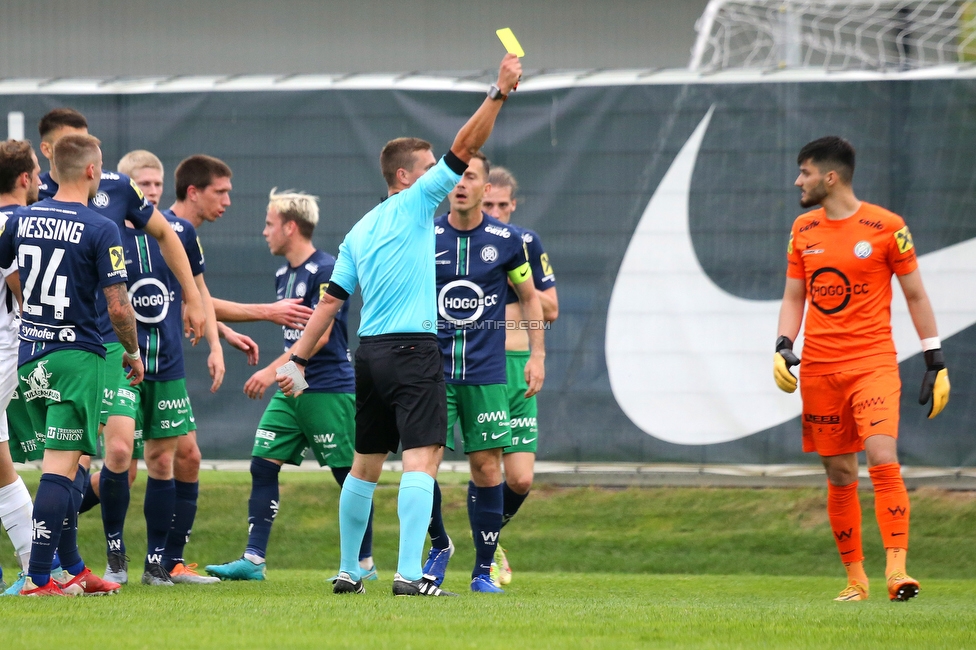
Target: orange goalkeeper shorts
{"type": "Point", "coordinates": [841, 410]}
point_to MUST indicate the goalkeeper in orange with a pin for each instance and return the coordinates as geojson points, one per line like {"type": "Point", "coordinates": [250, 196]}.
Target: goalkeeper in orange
{"type": "Point", "coordinates": [840, 259]}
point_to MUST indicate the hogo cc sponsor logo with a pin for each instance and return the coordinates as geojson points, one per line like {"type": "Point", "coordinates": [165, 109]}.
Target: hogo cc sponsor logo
{"type": "Point", "coordinates": [831, 290]}
{"type": "Point", "coordinates": [461, 302]}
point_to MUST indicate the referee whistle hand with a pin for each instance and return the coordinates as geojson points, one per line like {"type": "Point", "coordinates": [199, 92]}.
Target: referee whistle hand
{"type": "Point", "coordinates": [935, 382]}
{"type": "Point", "coordinates": [783, 360]}
{"type": "Point", "coordinates": [509, 73]}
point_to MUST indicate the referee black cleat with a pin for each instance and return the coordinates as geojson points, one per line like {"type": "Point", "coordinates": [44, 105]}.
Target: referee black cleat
{"type": "Point", "coordinates": [423, 587]}
{"type": "Point", "coordinates": [344, 584]}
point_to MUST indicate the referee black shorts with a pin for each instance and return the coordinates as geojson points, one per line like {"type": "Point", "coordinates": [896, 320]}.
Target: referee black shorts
{"type": "Point", "coordinates": [400, 394]}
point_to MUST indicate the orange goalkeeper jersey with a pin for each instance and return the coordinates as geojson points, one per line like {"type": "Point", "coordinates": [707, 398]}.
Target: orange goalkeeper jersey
{"type": "Point", "coordinates": [847, 267]}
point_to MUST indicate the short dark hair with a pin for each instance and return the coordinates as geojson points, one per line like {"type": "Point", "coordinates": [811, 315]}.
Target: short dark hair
{"type": "Point", "coordinates": [831, 153]}
{"type": "Point", "coordinates": [398, 154]}
{"type": "Point", "coordinates": [15, 159]}
{"type": "Point", "coordinates": [484, 161]}
{"type": "Point", "coordinates": [72, 155]}
{"type": "Point", "coordinates": [60, 117]}
{"type": "Point", "coordinates": [199, 171]}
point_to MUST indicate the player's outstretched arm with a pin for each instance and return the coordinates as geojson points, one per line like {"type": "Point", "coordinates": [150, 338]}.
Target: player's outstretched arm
{"type": "Point", "coordinates": [317, 326]}
{"type": "Point", "coordinates": [123, 319]}
{"type": "Point", "coordinates": [935, 382]}
{"type": "Point", "coordinates": [244, 343]}
{"type": "Point", "coordinates": [263, 379]}
{"type": "Point", "coordinates": [535, 367]}
{"type": "Point", "coordinates": [215, 361]}
{"type": "Point", "coordinates": [790, 319]}
{"type": "Point", "coordinates": [289, 312]}
{"type": "Point", "coordinates": [475, 132]}
{"type": "Point", "coordinates": [195, 316]}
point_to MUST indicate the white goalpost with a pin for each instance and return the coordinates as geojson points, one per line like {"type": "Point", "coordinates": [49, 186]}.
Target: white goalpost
{"type": "Point", "coordinates": [834, 34]}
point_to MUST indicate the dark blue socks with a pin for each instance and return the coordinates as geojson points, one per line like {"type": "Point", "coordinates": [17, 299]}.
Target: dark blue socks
{"type": "Point", "coordinates": [184, 512]}
{"type": "Point", "coordinates": [512, 502]}
{"type": "Point", "coordinates": [51, 503]}
{"type": "Point", "coordinates": [114, 491]}
{"type": "Point", "coordinates": [438, 535]}
{"type": "Point", "coordinates": [158, 509]}
{"type": "Point", "coordinates": [262, 508]}
{"type": "Point", "coordinates": [485, 515]}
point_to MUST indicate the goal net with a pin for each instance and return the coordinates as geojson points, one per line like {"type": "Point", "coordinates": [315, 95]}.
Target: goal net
{"type": "Point", "coordinates": [834, 35]}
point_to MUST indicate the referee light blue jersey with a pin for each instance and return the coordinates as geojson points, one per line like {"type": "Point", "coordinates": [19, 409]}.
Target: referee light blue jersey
{"type": "Point", "coordinates": [390, 254]}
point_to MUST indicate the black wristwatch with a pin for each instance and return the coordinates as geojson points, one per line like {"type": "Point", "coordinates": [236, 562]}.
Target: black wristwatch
{"type": "Point", "coordinates": [496, 93]}
{"type": "Point", "coordinates": [297, 359]}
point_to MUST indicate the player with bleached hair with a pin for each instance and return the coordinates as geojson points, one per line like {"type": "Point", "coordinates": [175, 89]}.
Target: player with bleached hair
{"type": "Point", "coordinates": [323, 416]}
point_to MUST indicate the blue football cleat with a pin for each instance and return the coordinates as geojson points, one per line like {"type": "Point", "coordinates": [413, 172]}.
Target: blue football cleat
{"type": "Point", "coordinates": [483, 584]}
{"type": "Point", "coordinates": [242, 569]}
{"type": "Point", "coordinates": [436, 565]}
{"type": "Point", "coordinates": [17, 587]}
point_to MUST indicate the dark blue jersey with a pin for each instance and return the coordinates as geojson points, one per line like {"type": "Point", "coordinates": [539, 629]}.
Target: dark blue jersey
{"type": "Point", "coordinates": [473, 268]}
{"type": "Point", "coordinates": [67, 255]}
{"type": "Point", "coordinates": [330, 369]}
{"type": "Point", "coordinates": [118, 198]}
{"type": "Point", "coordinates": [157, 297]}
{"type": "Point", "coordinates": [542, 274]}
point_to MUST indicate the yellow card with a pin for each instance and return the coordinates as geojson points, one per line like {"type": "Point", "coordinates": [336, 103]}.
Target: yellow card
{"type": "Point", "coordinates": [510, 42]}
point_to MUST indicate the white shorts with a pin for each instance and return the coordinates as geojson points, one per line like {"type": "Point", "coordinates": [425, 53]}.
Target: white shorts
{"type": "Point", "coordinates": [8, 384]}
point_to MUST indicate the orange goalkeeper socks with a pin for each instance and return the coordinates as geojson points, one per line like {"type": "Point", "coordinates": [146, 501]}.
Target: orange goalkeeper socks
{"type": "Point", "coordinates": [893, 510]}
{"type": "Point", "coordinates": [844, 512]}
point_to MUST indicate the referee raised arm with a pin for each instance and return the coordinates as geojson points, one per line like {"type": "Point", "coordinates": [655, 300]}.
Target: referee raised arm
{"type": "Point", "coordinates": [400, 395]}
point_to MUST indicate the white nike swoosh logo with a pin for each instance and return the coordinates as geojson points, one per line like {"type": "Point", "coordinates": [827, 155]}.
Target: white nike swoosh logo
{"type": "Point", "coordinates": [442, 253]}
{"type": "Point", "coordinates": [176, 424]}
{"type": "Point", "coordinates": [526, 441]}
{"type": "Point", "coordinates": [692, 364]}
{"type": "Point", "coordinates": [500, 435]}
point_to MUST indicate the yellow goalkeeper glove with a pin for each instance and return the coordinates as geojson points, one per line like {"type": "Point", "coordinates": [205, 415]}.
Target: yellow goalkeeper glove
{"type": "Point", "coordinates": [935, 383]}
{"type": "Point", "coordinates": [783, 360]}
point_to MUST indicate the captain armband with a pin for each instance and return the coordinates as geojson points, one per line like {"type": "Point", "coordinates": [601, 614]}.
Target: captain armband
{"type": "Point", "coordinates": [521, 274]}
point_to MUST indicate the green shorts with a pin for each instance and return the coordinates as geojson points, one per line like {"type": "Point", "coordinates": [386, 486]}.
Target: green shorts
{"type": "Point", "coordinates": [25, 444]}
{"type": "Point", "coordinates": [161, 409]}
{"type": "Point", "coordinates": [523, 412]}
{"type": "Point", "coordinates": [482, 414]}
{"type": "Point", "coordinates": [62, 391]}
{"type": "Point", "coordinates": [326, 422]}
{"type": "Point", "coordinates": [114, 377]}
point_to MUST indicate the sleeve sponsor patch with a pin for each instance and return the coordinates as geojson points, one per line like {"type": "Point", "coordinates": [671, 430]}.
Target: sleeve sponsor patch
{"type": "Point", "coordinates": [118, 258]}
{"type": "Point", "coordinates": [904, 240]}
{"type": "Point", "coordinates": [137, 190]}
{"type": "Point", "coordinates": [322, 289]}
{"type": "Point", "coordinates": [546, 266]}
{"type": "Point", "coordinates": [200, 246]}
{"type": "Point", "coordinates": [789, 246]}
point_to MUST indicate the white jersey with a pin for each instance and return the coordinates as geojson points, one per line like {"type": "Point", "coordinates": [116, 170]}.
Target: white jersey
{"type": "Point", "coordinates": [9, 313]}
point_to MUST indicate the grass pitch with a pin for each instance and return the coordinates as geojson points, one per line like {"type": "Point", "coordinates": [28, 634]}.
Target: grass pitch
{"type": "Point", "coordinates": [610, 568]}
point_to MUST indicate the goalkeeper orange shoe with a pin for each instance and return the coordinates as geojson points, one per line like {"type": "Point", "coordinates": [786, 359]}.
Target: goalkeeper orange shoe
{"type": "Point", "coordinates": [853, 591]}
{"type": "Point", "coordinates": [901, 586]}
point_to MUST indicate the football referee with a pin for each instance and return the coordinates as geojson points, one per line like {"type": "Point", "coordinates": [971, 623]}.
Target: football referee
{"type": "Point", "coordinates": [400, 394]}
